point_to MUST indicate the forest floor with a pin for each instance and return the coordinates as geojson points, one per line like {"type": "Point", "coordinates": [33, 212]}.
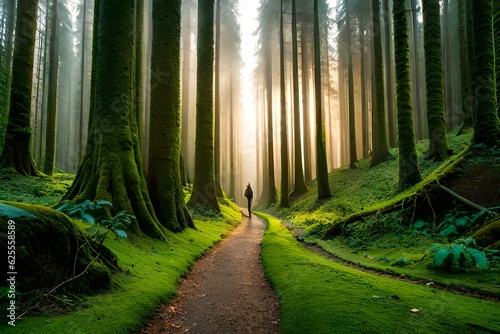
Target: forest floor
{"type": "Point", "coordinates": [225, 292]}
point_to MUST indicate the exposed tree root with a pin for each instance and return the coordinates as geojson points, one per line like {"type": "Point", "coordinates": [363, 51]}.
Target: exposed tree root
{"type": "Point", "coordinates": [421, 189]}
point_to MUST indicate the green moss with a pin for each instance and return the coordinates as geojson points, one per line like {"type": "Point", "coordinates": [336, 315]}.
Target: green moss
{"type": "Point", "coordinates": [51, 250]}
{"type": "Point", "coordinates": [318, 296]}
{"type": "Point", "coordinates": [150, 272]}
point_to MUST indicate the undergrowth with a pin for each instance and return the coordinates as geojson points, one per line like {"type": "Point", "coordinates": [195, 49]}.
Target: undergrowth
{"type": "Point", "coordinates": [150, 268]}
{"type": "Point", "coordinates": [398, 240]}
{"type": "Point", "coordinates": [321, 296]}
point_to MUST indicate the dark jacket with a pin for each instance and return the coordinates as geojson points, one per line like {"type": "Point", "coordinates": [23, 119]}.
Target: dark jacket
{"type": "Point", "coordinates": [249, 192]}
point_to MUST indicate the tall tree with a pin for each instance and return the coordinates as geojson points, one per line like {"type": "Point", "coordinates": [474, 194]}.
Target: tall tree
{"type": "Point", "coordinates": [111, 168]}
{"type": "Point", "coordinates": [321, 162]}
{"type": "Point", "coordinates": [164, 178]}
{"type": "Point", "coordinates": [409, 173]}
{"type": "Point", "coordinates": [306, 110]}
{"type": "Point", "coordinates": [217, 105]}
{"type": "Point", "coordinates": [353, 159]}
{"type": "Point", "coordinates": [204, 192]}
{"type": "Point", "coordinates": [434, 73]}
{"type": "Point", "coordinates": [465, 73]}
{"type": "Point", "coordinates": [388, 62]}
{"type": "Point", "coordinates": [380, 150]}
{"type": "Point", "coordinates": [17, 150]}
{"type": "Point", "coordinates": [496, 27]}
{"type": "Point", "coordinates": [486, 127]}
{"type": "Point", "coordinates": [284, 199]}
{"type": "Point", "coordinates": [300, 184]}
{"type": "Point", "coordinates": [50, 137]}
{"type": "Point", "coordinates": [267, 44]}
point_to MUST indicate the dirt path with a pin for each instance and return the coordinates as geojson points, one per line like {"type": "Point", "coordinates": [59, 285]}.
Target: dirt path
{"type": "Point", "coordinates": [225, 292]}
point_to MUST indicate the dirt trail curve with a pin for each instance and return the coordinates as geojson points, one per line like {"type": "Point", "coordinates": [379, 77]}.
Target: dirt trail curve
{"type": "Point", "coordinates": [225, 292]}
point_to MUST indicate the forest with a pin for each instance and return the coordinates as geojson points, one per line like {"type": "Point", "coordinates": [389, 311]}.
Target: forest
{"type": "Point", "coordinates": [271, 166]}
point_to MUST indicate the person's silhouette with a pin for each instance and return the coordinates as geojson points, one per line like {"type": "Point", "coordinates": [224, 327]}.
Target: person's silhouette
{"type": "Point", "coordinates": [249, 196]}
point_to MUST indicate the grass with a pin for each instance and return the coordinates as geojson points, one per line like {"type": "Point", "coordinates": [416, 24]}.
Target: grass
{"type": "Point", "coordinates": [150, 271]}
{"type": "Point", "coordinates": [380, 241]}
{"type": "Point", "coordinates": [321, 296]}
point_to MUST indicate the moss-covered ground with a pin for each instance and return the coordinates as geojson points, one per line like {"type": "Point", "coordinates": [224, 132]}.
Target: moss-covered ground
{"type": "Point", "coordinates": [150, 269]}
{"type": "Point", "coordinates": [389, 242]}
{"type": "Point", "coordinates": [320, 296]}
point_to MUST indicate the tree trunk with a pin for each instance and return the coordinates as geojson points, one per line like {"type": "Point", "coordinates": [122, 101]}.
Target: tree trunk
{"type": "Point", "coordinates": [380, 149]}
{"type": "Point", "coordinates": [496, 27]}
{"type": "Point", "coordinates": [434, 75]}
{"type": "Point", "coordinates": [186, 83]}
{"type": "Point", "coordinates": [204, 192]}
{"type": "Point", "coordinates": [409, 173]}
{"type": "Point", "coordinates": [17, 151]}
{"type": "Point", "coordinates": [353, 159]}
{"type": "Point", "coordinates": [300, 184]}
{"type": "Point", "coordinates": [465, 75]}
{"type": "Point", "coordinates": [486, 127]}
{"type": "Point", "coordinates": [218, 133]}
{"type": "Point", "coordinates": [272, 195]}
{"type": "Point", "coordinates": [111, 168]}
{"type": "Point", "coordinates": [50, 137]}
{"type": "Point", "coordinates": [163, 178]}
{"type": "Point", "coordinates": [388, 61]}
{"type": "Point", "coordinates": [321, 164]}
{"type": "Point", "coordinates": [284, 200]}
{"type": "Point", "coordinates": [364, 103]}
{"type": "Point", "coordinates": [138, 69]}
{"type": "Point", "coordinates": [11, 25]}
{"type": "Point", "coordinates": [308, 154]}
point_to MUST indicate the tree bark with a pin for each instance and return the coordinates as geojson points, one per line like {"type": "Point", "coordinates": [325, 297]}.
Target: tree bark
{"type": "Point", "coordinates": [111, 167]}
{"type": "Point", "coordinates": [321, 164]}
{"type": "Point", "coordinates": [50, 137]}
{"type": "Point", "coordinates": [284, 199]}
{"type": "Point", "coordinates": [486, 127]}
{"type": "Point", "coordinates": [409, 173]}
{"type": "Point", "coordinates": [163, 178]}
{"type": "Point", "coordinates": [204, 192]}
{"type": "Point", "coordinates": [380, 148]}
{"type": "Point", "coordinates": [434, 76]}
{"type": "Point", "coordinates": [17, 150]}
{"type": "Point", "coordinates": [300, 184]}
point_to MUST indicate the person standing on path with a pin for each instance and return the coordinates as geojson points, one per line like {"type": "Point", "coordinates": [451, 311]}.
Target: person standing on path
{"type": "Point", "coordinates": [249, 196]}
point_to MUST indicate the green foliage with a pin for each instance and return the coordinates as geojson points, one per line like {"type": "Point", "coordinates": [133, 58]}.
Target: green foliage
{"type": "Point", "coordinates": [313, 289]}
{"type": "Point", "coordinates": [454, 222]}
{"type": "Point", "coordinates": [98, 214]}
{"type": "Point", "coordinates": [461, 255]}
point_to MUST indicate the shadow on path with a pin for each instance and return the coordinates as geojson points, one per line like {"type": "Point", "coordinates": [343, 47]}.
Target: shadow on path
{"type": "Point", "coordinates": [225, 292]}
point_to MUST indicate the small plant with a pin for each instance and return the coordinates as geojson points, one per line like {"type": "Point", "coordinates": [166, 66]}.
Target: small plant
{"type": "Point", "coordinates": [117, 224]}
{"type": "Point", "coordinates": [98, 215]}
{"type": "Point", "coordinates": [454, 223]}
{"type": "Point", "coordinates": [461, 255]}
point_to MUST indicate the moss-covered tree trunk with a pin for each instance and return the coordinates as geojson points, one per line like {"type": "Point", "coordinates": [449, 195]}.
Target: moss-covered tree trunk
{"type": "Point", "coordinates": [496, 26]}
{"type": "Point", "coordinates": [164, 178]}
{"type": "Point", "coordinates": [17, 150]}
{"type": "Point", "coordinates": [486, 127]}
{"type": "Point", "coordinates": [388, 61]}
{"type": "Point", "coordinates": [50, 137]}
{"type": "Point", "coordinates": [138, 68]}
{"type": "Point", "coordinates": [111, 167]}
{"type": "Point", "coordinates": [300, 183]}
{"type": "Point", "coordinates": [217, 104]}
{"type": "Point", "coordinates": [380, 147]}
{"type": "Point", "coordinates": [465, 73]}
{"type": "Point", "coordinates": [284, 198]}
{"type": "Point", "coordinates": [321, 162]}
{"type": "Point", "coordinates": [204, 192]}
{"type": "Point", "coordinates": [434, 76]}
{"type": "Point", "coordinates": [409, 173]}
